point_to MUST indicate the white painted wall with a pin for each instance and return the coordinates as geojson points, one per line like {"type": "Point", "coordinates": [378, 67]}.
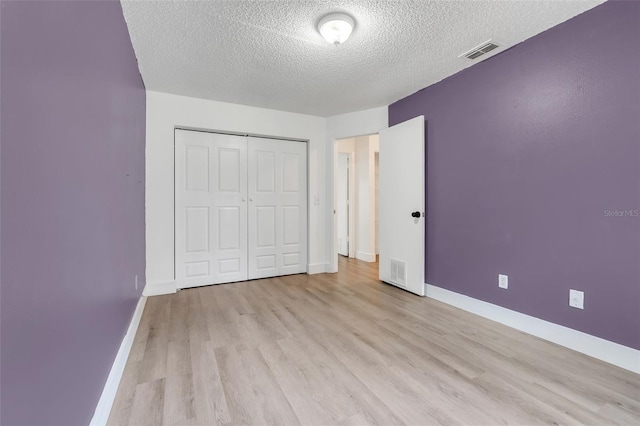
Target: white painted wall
{"type": "Point", "coordinates": [366, 148]}
{"type": "Point", "coordinates": [365, 243]}
{"type": "Point", "coordinates": [339, 127]}
{"type": "Point", "coordinates": [375, 142]}
{"type": "Point", "coordinates": [165, 112]}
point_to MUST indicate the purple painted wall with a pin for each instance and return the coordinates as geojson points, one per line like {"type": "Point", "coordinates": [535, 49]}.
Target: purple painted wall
{"type": "Point", "coordinates": [526, 151]}
{"type": "Point", "coordinates": [72, 181]}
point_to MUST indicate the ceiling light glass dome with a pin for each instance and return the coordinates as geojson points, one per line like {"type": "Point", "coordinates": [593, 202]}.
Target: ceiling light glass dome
{"type": "Point", "coordinates": [336, 27]}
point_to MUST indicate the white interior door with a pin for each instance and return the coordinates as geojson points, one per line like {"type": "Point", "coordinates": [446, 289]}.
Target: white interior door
{"type": "Point", "coordinates": [343, 203]}
{"type": "Point", "coordinates": [211, 208]}
{"type": "Point", "coordinates": [277, 207]}
{"type": "Point", "coordinates": [402, 172]}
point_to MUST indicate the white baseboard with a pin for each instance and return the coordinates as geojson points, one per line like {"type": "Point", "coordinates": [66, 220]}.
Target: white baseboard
{"type": "Point", "coordinates": [367, 257]}
{"type": "Point", "coordinates": [604, 350]}
{"type": "Point", "coordinates": [156, 289]}
{"type": "Point", "coordinates": [101, 415]}
{"type": "Point", "coordinates": [316, 268]}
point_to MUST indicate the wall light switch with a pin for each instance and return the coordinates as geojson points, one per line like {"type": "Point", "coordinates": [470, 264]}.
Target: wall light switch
{"type": "Point", "coordinates": [503, 281]}
{"type": "Point", "coordinates": [576, 299]}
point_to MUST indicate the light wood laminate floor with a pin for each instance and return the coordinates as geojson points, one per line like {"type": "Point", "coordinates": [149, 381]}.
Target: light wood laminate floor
{"type": "Point", "coordinates": [343, 349]}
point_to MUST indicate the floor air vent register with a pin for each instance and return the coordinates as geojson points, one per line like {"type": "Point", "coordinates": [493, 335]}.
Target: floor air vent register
{"type": "Point", "coordinates": [398, 272]}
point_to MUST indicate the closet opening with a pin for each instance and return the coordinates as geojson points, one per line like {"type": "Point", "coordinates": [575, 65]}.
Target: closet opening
{"type": "Point", "coordinates": [240, 207]}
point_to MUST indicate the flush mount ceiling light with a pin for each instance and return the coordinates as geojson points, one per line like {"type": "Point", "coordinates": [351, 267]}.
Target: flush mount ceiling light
{"type": "Point", "coordinates": [336, 27]}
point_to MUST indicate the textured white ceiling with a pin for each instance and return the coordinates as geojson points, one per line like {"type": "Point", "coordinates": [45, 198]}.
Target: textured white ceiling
{"type": "Point", "coordinates": [269, 53]}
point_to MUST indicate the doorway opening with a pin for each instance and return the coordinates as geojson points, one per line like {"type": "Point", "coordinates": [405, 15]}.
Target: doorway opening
{"type": "Point", "coordinates": [356, 181]}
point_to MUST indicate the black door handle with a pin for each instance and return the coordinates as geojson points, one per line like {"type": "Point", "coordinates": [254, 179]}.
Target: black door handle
{"type": "Point", "coordinates": [416, 214]}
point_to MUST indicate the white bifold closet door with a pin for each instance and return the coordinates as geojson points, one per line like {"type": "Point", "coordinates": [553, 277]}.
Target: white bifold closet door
{"type": "Point", "coordinates": [211, 208]}
{"type": "Point", "coordinates": [240, 208]}
{"type": "Point", "coordinates": [277, 207]}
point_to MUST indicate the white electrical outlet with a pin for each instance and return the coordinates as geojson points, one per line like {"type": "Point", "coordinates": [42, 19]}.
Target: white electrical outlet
{"type": "Point", "coordinates": [136, 281]}
{"type": "Point", "coordinates": [576, 299]}
{"type": "Point", "coordinates": [503, 281]}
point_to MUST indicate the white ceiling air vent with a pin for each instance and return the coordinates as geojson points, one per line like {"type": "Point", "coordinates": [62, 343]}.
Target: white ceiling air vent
{"type": "Point", "coordinates": [480, 50]}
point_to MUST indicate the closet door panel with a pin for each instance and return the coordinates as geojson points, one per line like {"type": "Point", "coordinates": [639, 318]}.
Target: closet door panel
{"type": "Point", "coordinates": [211, 208]}
{"type": "Point", "coordinates": [230, 213]}
{"type": "Point", "coordinates": [263, 209]}
{"type": "Point", "coordinates": [293, 198]}
{"type": "Point", "coordinates": [194, 234]}
{"type": "Point", "coordinates": [277, 207]}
